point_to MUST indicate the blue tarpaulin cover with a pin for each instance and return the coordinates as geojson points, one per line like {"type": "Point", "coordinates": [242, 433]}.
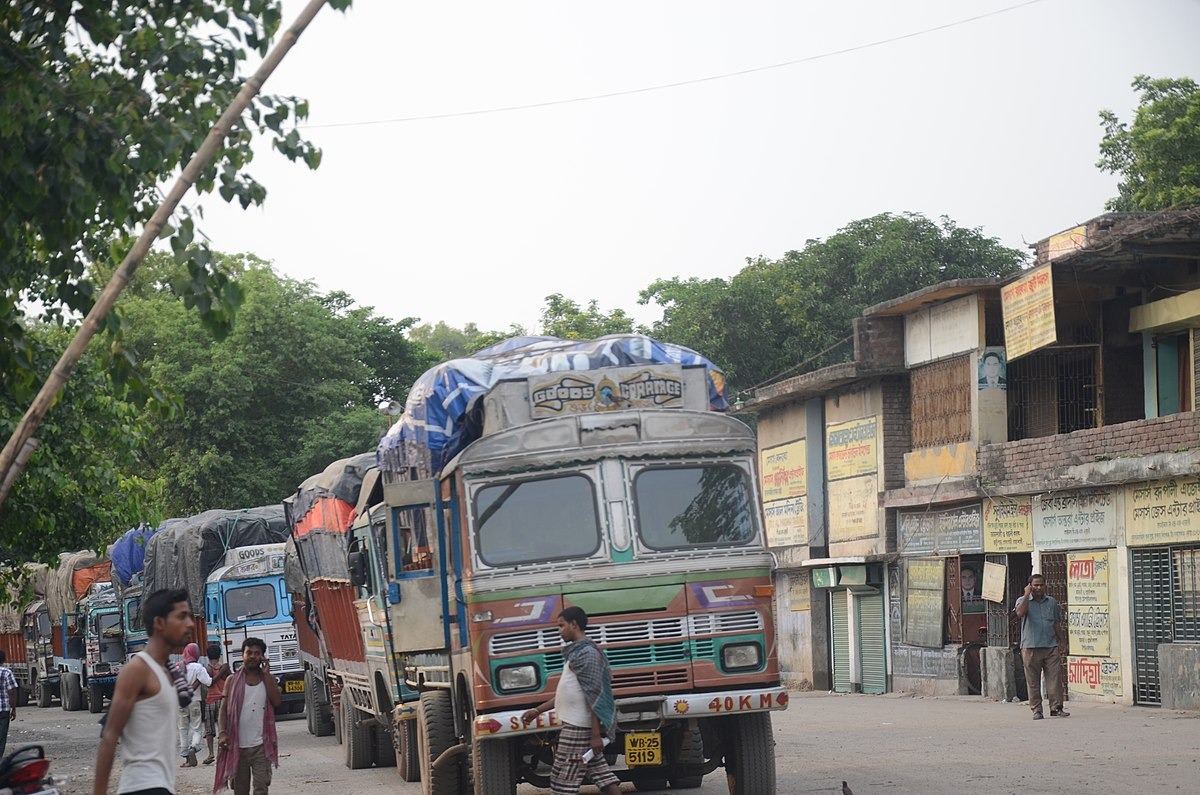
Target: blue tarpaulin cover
{"type": "Point", "coordinates": [128, 554]}
{"type": "Point", "coordinates": [438, 420]}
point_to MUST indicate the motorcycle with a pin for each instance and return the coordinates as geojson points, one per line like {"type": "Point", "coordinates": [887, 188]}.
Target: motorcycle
{"type": "Point", "coordinates": [26, 771]}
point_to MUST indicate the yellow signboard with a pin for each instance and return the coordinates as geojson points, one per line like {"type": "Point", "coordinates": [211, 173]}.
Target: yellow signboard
{"type": "Point", "coordinates": [853, 509]}
{"type": "Point", "coordinates": [1087, 597]}
{"type": "Point", "coordinates": [783, 471]}
{"type": "Point", "coordinates": [1028, 308]}
{"type": "Point", "coordinates": [799, 592]}
{"type": "Point", "coordinates": [787, 522]}
{"type": "Point", "coordinates": [851, 448]}
{"type": "Point", "coordinates": [1166, 512]}
{"type": "Point", "coordinates": [1008, 524]}
{"type": "Point", "coordinates": [1094, 676]}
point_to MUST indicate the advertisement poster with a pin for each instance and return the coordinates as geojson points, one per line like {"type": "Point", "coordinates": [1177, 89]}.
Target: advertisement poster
{"type": "Point", "coordinates": [1028, 308]}
{"type": "Point", "coordinates": [994, 577]}
{"type": "Point", "coordinates": [1094, 676]}
{"type": "Point", "coordinates": [1088, 622]}
{"type": "Point", "coordinates": [783, 471]}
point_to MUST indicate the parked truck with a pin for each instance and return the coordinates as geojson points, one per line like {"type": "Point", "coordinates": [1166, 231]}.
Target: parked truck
{"type": "Point", "coordinates": [543, 474]}
{"type": "Point", "coordinates": [93, 650]}
{"type": "Point", "coordinates": [41, 646]}
{"type": "Point", "coordinates": [341, 687]}
{"type": "Point", "coordinates": [246, 598]}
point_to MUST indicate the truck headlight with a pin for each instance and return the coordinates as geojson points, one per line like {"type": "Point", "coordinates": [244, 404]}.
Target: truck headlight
{"type": "Point", "coordinates": [741, 656]}
{"type": "Point", "coordinates": [517, 677]}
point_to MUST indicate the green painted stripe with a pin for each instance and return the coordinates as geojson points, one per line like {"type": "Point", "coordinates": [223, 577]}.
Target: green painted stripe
{"type": "Point", "coordinates": [635, 599]}
{"type": "Point", "coordinates": [624, 582]}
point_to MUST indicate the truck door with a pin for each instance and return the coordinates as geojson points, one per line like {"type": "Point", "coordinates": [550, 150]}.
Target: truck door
{"type": "Point", "coordinates": [417, 595]}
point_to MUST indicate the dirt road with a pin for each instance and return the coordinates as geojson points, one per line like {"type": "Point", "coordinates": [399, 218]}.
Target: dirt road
{"type": "Point", "coordinates": [880, 744]}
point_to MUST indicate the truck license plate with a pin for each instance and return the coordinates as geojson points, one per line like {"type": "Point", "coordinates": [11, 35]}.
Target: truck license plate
{"type": "Point", "coordinates": [293, 686]}
{"type": "Point", "coordinates": [643, 748]}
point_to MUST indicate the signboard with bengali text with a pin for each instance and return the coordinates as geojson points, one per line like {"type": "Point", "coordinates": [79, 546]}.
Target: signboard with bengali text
{"type": "Point", "coordinates": [1008, 524]}
{"type": "Point", "coordinates": [787, 522]}
{"type": "Point", "coordinates": [950, 530]}
{"type": "Point", "coordinates": [1165, 512]}
{"type": "Point", "coordinates": [1100, 677]}
{"type": "Point", "coordinates": [783, 471]}
{"type": "Point", "coordinates": [851, 448]}
{"type": "Point", "coordinates": [1028, 308]}
{"type": "Point", "coordinates": [1083, 519]}
{"type": "Point", "coordinates": [853, 509]}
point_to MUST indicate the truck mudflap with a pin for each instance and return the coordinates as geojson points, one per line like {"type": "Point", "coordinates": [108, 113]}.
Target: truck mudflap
{"type": "Point", "coordinates": [640, 709]}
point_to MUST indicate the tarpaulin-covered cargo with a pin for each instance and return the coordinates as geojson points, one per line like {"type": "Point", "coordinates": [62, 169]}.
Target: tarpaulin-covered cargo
{"type": "Point", "coordinates": [128, 554]}
{"type": "Point", "coordinates": [441, 416]}
{"type": "Point", "coordinates": [30, 587]}
{"type": "Point", "coordinates": [69, 582]}
{"type": "Point", "coordinates": [321, 511]}
{"type": "Point", "coordinates": [183, 552]}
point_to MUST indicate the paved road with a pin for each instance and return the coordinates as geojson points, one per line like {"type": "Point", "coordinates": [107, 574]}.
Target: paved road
{"type": "Point", "coordinates": [881, 744]}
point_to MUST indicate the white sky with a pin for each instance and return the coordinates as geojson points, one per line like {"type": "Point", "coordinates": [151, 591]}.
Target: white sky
{"type": "Point", "coordinates": [477, 218]}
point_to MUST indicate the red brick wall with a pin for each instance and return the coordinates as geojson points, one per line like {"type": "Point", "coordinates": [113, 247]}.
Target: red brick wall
{"type": "Point", "coordinates": [1029, 460]}
{"type": "Point", "coordinates": [897, 428]}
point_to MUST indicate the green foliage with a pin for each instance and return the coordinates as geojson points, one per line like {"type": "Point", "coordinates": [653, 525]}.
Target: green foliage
{"type": "Point", "coordinates": [1157, 157]}
{"type": "Point", "coordinates": [799, 310]}
{"type": "Point", "coordinates": [564, 318]}
{"type": "Point", "coordinates": [100, 103]}
{"type": "Point", "coordinates": [292, 388]}
{"type": "Point", "coordinates": [447, 342]}
{"type": "Point", "coordinates": [84, 484]}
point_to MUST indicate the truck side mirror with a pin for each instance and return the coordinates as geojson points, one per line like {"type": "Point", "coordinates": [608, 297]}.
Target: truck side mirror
{"type": "Point", "coordinates": [358, 569]}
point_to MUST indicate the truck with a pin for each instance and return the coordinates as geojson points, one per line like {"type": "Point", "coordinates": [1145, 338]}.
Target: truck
{"type": "Point", "coordinates": [136, 636]}
{"type": "Point", "coordinates": [42, 645]}
{"type": "Point", "coordinates": [247, 598]}
{"type": "Point", "coordinates": [341, 688]}
{"type": "Point", "coordinates": [542, 474]}
{"type": "Point", "coordinates": [93, 642]}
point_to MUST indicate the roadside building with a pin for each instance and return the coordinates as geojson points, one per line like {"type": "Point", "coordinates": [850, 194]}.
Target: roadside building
{"type": "Point", "coordinates": [986, 430]}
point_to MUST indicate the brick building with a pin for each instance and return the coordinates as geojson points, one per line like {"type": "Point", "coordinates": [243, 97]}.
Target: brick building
{"type": "Point", "coordinates": [987, 429]}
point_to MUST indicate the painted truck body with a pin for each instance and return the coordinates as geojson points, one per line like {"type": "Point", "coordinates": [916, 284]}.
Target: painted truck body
{"type": "Point", "coordinates": [644, 512]}
{"type": "Point", "coordinates": [93, 645]}
{"type": "Point", "coordinates": [247, 598]}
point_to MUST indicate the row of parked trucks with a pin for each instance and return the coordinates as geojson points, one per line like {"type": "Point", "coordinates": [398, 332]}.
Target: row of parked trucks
{"type": "Point", "coordinates": [412, 612]}
{"type": "Point", "coordinates": [537, 475]}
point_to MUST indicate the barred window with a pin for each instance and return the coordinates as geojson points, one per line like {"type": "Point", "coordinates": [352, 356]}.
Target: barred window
{"type": "Point", "coordinates": [1052, 391]}
{"type": "Point", "coordinates": [941, 402]}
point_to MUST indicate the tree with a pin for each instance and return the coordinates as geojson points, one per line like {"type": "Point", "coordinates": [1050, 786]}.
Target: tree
{"type": "Point", "coordinates": [1157, 157]}
{"type": "Point", "coordinates": [84, 484]}
{"type": "Point", "coordinates": [100, 103]}
{"type": "Point", "coordinates": [293, 387]}
{"type": "Point", "coordinates": [564, 318]}
{"type": "Point", "coordinates": [796, 313]}
{"type": "Point", "coordinates": [454, 343]}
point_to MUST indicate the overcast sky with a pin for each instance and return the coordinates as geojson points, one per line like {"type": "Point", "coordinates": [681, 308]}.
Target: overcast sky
{"type": "Point", "coordinates": [476, 218]}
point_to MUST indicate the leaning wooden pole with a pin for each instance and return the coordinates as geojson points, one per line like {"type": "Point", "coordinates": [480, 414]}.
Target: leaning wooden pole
{"type": "Point", "coordinates": [10, 469]}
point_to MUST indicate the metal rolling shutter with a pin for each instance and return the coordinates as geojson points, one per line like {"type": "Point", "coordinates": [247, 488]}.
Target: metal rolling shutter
{"type": "Point", "coordinates": [840, 627]}
{"type": "Point", "coordinates": [1151, 576]}
{"type": "Point", "coordinates": [872, 653]}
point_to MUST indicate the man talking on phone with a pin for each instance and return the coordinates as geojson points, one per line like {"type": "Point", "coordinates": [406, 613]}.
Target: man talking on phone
{"type": "Point", "coordinates": [246, 735]}
{"type": "Point", "coordinates": [1040, 626]}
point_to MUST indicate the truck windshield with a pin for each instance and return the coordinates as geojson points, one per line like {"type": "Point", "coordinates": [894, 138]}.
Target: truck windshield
{"type": "Point", "coordinates": [536, 520]}
{"type": "Point", "coordinates": [250, 602]}
{"type": "Point", "coordinates": [108, 625]}
{"type": "Point", "coordinates": [681, 507]}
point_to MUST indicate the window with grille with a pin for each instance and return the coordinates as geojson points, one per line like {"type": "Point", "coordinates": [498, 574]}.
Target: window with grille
{"type": "Point", "coordinates": [1186, 565]}
{"type": "Point", "coordinates": [941, 402]}
{"type": "Point", "coordinates": [1052, 391]}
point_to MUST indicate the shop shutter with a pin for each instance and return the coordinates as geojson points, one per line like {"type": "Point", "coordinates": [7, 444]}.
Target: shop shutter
{"type": "Point", "coordinates": [840, 627]}
{"type": "Point", "coordinates": [872, 651]}
{"type": "Point", "coordinates": [1151, 576]}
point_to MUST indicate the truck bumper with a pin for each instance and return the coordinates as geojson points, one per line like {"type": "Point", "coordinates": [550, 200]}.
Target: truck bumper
{"type": "Point", "coordinates": [641, 709]}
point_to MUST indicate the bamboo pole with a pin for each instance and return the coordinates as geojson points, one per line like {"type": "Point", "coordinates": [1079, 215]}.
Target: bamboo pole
{"type": "Point", "coordinates": [95, 319]}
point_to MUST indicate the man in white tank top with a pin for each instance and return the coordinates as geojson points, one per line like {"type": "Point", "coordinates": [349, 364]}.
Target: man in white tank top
{"type": "Point", "coordinates": [145, 703]}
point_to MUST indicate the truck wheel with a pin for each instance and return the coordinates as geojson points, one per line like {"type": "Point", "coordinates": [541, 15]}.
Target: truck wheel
{"type": "Point", "coordinates": [310, 703]}
{"type": "Point", "coordinates": [71, 692]}
{"type": "Point", "coordinates": [495, 767]}
{"type": "Point", "coordinates": [408, 764]}
{"type": "Point", "coordinates": [359, 743]}
{"type": "Point", "coordinates": [752, 749]}
{"type": "Point", "coordinates": [323, 722]}
{"type": "Point", "coordinates": [44, 696]}
{"type": "Point", "coordinates": [384, 752]}
{"type": "Point", "coordinates": [435, 734]}
{"type": "Point", "coordinates": [95, 698]}
{"type": "Point", "coordinates": [648, 782]}
{"type": "Point", "coordinates": [691, 754]}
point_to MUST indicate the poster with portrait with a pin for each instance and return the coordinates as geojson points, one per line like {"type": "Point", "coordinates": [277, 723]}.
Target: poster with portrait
{"type": "Point", "coordinates": [993, 369]}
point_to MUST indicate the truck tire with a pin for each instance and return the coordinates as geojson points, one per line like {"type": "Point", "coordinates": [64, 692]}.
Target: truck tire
{"type": "Point", "coordinates": [648, 782]}
{"type": "Point", "coordinates": [323, 717]}
{"type": "Point", "coordinates": [691, 754]}
{"type": "Point", "coordinates": [71, 692]}
{"type": "Point", "coordinates": [408, 764]}
{"type": "Point", "coordinates": [359, 743]}
{"type": "Point", "coordinates": [435, 734]}
{"type": "Point", "coordinates": [385, 752]}
{"type": "Point", "coordinates": [95, 698]}
{"type": "Point", "coordinates": [751, 757]}
{"type": "Point", "coordinates": [44, 696]}
{"type": "Point", "coordinates": [495, 767]}
{"type": "Point", "coordinates": [310, 705]}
